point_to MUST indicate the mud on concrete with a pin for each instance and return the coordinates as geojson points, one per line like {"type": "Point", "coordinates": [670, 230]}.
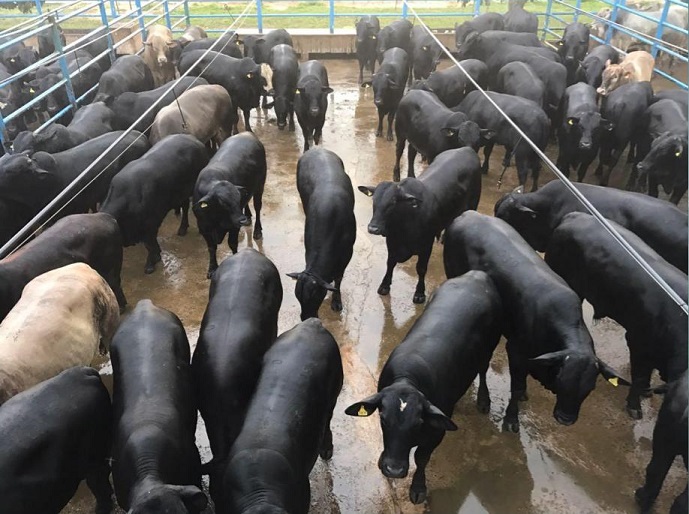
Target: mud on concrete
{"type": "Point", "coordinates": [591, 467]}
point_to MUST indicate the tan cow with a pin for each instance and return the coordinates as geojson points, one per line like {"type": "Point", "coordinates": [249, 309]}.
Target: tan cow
{"type": "Point", "coordinates": [63, 318]}
{"type": "Point", "coordinates": [158, 54]}
{"type": "Point", "coordinates": [205, 112]}
{"type": "Point", "coordinates": [636, 67]}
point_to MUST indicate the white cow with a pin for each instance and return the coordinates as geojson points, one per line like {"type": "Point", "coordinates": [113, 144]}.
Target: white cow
{"type": "Point", "coordinates": [63, 318]}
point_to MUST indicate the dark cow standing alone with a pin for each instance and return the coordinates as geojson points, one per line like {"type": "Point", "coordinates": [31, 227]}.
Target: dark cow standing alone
{"type": "Point", "coordinates": [235, 174]}
{"type": "Point", "coordinates": [285, 66]}
{"type": "Point", "coordinates": [156, 465]}
{"type": "Point", "coordinates": [239, 325]}
{"type": "Point", "coordinates": [388, 87]}
{"type": "Point", "coordinates": [660, 224]}
{"type": "Point", "coordinates": [330, 231]}
{"type": "Point", "coordinates": [430, 370]}
{"type": "Point", "coordinates": [53, 436]}
{"type": "Point", "coordinates": [572, 48]}
{"type": "Point", "coordinates": [395, 35]}
{"type": "Point", "coordinates": [269, 465]}
{"type": "Point", "coordinates": [144, 192]}
{"type": "Point", "coordinates": [311, 100]}
{"type": "Point", "coordinates": [599, 270]}
{"type": "Point", "coordinates": [546, 334]}
{"type": "Point", "coordinates": [411, 213]}
{"type": "Point", "coordinates": [367, 28]}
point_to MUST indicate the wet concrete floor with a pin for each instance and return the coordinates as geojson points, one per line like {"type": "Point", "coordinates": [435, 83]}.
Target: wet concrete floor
{"type": "Point", "coordinates": [591, 467]}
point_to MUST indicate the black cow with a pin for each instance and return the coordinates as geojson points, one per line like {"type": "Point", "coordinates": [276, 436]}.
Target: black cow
{"type": "Point", "coordinates": [240, 77]}
{"type": "Point", "coordinates": [662, 149]}
{"type": "Point", "coordinates": [624, 107]}
{"type": "Point", "coordinates": [430, 370]}
{"type": "Point", "coordinates": [27, 184]}
{"type": "Point", "coordinates": [481, 23]}
{"type": "Point", "coordinates": [285, 65]}
{"type": "Point", "coordinates": [18, 58]}
{"type": "Point", "coordinates": [9, 56]}
{"type": "Point", "coordinates": [572, 48]}
{"type": "Point", "coordinates": [155, 466]}
{"type": "Point", "coordinates": [269, 465]}
{"type": "Point", "coordinates": [311, 100]}
{"type": "Point", "coordinates": [90, 238]}
{"type": "Point", "coordinates": [451, 85]}
{"type": "Point", "coordinates": [514, 38]}
{"type": "Point", "coordinates": [425, 52]}
{"type": "Point", "coordinates": [142, 194]}
{"type": "Point", "coordinates": [669, 440]}
{"type": "Point", "coordinates": [680, 96]}
{"type": "Point", "coordinates": [519, 20]}
{"type": "Point", "coordinates": [53, 436]}
{"type": "Point", "coordinates": [128, 73]}
{"type": "Point", "coordinates": [388, 87]}
{"type": "Point", "coordinates": [661, 225]}
{"type": "Point", "coordinates": [235, 174]}
{"type": "Point", "coordinates": [46, 43]}
{"type": "Point", "coordinates": [395, 35]}
{"type": "Point", "coordinates": [411, 213]}
{"type": "Point", "coordinates": [592, 66]}
{"type": "Point", "coordinates": [367, 28]}
{"type": "Point", "coordinates": [228, 45]}
{"type": "Point", "coordinates": [128, 107]}
{"type": "Point", "coordinates": [546, 334]}
{"type": "Point", "coordinates": [258, 47]}
{"type": "Point", "coordinates": [431, 128]}
{"type": "Point", "coordinates": [89, 121]}
{"type": "Point", "coordinates": [599, 270]}
{"type": "Point", "coordinates": [581, 130]}
{"type": "Point", "coordinates": [330, 231]}
{"type": "Point", "coordinates": [239, 325]}
{"type": "Point", "coordinates": [518, 79]}
{"type": "Point", "coordinates": [526, 114]}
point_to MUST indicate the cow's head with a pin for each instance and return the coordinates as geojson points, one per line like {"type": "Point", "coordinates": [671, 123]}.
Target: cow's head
{"type": "Point", "coordinates": [572, 375]}
{"type": "Point", "coordinates": [314, 95]}
{"type": "Point", "coordinates": [520, 211]}
{"type": "Point", "coordinates": [668, 152]}
{"type": "Point", "coordinates": [383, 83]}
{"type": "Point", "coordinates": [365, 32]}
{"type": "Point", "coordinates": [405, 414]}
{"type": "Point", "coordinates": [29, 180]}
{"type": "Point", "coordinates": [470, 46]}
{"type": "Point", "coordinates": [588, 126]}
{"type": "Point", "coordinates": [171, 499]}
{"type": "Point", "coordinates": [394, 203]}
{"type": "Point", "coordinates": [310, 290]}
{"type": "Point", "coordinates": [614, 76]}
{"type": "Point", "coordinates": [460, 132]}
{"type": "Point", "coordinates": [222, 209]}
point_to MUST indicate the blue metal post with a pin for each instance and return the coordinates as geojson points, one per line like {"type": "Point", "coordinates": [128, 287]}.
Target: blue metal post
{"type": "Point", "coordinates": [404, 10]}
{"type": "Point", "coordinates": [661, 26]}
{"type": "Point", "coordinates": [166, 11]}
{"type": "Point", "coordinates": [39, 7]}
{"type": "Point", "coordinates": [186, 13]}
{"type": "Point", "coordinates": [477, 7]}
{"type": "Point", "coordinates": [259, 16]}
{"type": "Point", "coordinates": [142, 24]}
{"type": "Point", "coordinates": [113, 8]}
{"type": "Point", "coordinates": [613, 18]}
{"type": "Point", "coordinates": [331, 15]}
{"type": "Point", "coordinates": [106, 24]}
{"type": "Point", "coordinates": [63, 62]}
{"type": "Point", "coordinates": [546, 21]}
{"type": "Point", "coordinates": [576, 11]}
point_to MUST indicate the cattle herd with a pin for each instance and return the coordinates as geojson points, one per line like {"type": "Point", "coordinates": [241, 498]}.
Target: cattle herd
{"type": "Point", "coordinates": [267, 399]}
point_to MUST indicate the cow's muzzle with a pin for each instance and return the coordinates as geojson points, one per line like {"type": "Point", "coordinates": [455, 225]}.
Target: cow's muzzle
{"type": "Point", "coordinates": [564, 419]}
{"type": "Point", "coordinates": [375, 230]}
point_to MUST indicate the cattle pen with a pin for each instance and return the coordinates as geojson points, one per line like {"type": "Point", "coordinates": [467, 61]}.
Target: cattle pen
{"type": "Point", "coordinates": [590, 467]}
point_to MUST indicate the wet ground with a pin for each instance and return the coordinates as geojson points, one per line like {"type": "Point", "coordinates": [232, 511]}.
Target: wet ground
{"type": "Point", "coordinates": [591, 467]}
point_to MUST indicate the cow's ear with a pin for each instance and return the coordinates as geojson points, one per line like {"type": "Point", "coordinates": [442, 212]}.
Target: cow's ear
{"type": "Point", "coordinates": [260, 41]}
{"type": "Point", "coordinates": [194, 499]}
{"type": "Point", "coordinates": [367, 190]}
{"type": "Point", "coordinates": [561, 42]}
{"type": "Point", "coordinates": [294, 275]}
{"type": "Point", "coordinates": [365, 407]}
{"type": "Point", "coordinates": [366, 83]}
{"type": "Point", "coordinates": [325, 285]}
{"type": "Point", "coordinates": [679, 147]}
{"type": "Point", "coordinates": [487, 134]}
{"type": "Point", "coordinates": [608, 63]}
{"type": "Point", "coordinates": [607, 124]}
{"type": "Point", "coordinates": [243, 193]}
{"type": "Point", "coordinates": [202, 204]}
{"type": "Point", "coordinates": [239, 42]}
{"type": "Point", "coordinates": [437, 418]}
{"type": "Point", "coordinates": [327, 90]}
{"type": "Point", "coordinates": [526, 210]}
{"type": "Point", "coordinates": [572, 120]}
{"type": "Point", "coordinates": [299, 91]}
{"type": "Point", "coordinates": [448, 132]}
{"type": "Point", "coordinates": [610, 374]}
{"type": "Point", "coordinates": [550, 359]}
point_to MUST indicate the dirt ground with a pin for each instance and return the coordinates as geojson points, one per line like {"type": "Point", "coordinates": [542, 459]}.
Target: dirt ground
{"type": "Point", "coordinates": [591, 467]}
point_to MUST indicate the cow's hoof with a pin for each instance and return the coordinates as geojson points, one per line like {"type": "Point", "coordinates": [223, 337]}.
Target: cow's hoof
{"type": "Point", "coordinates": [182, 231]}
{"type": "Point", "coordinates": [634, 413]}
{"type": "Point", "coordinates": [419, 298]}
{"type": "Point", "coordinates": [149, 268]}
{"type": "Point", "coordinates": [642, 500]}
{"type": "Point", "coordinates": [326, 453]}
{"type": "Point", "coordinates": [258, 234]}
{"type": "Point", "coordinates": [417, 495]}
{"type": "Point", "coordinates": [483, 405]}
{"type": "Point", "coordinates": [384, 290]}
{"type": "Point", "coordinates": [379, 133]}
{"type": "Point", "coordinates": [390, 138]}
{"type": "Point", "coordinates": [210, 273]}
{"type": "Point", "coordinates": [510, 426]}
{"type": "Point", "coordinates": [336, 306]}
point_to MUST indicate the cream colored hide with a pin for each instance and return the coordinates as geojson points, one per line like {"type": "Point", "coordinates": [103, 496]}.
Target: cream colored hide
{"type": "Point", "coordinates": [636, 67]}
{"type": "Point", "coordinates": [158, 54]}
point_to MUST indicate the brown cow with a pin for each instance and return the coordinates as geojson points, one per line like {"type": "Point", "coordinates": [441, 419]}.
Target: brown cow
{"type": "Point", "coordinates": [158, 54]}
{"type": "Point", "coordinates": [205, 112]}
{"type": "Point", "coordinates": [636, 67]}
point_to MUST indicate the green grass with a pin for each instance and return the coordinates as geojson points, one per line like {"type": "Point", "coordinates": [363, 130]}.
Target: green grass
{"type": "Point", "coordinates": [228, 11]}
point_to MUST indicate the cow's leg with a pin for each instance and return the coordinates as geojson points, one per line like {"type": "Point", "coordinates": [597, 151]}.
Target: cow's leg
{"type": "Point", "coordinates": [235, 126]}
{"type": "Point", "coordinates": [247, 123]}
{"type": "Point", "coordinates": [373, 66]}
{"type": "Point", "coordinates": [677, 194]}
{"type": "Point", "coordinates": [306, 133]}
{"type": "Point", "coordinates": [421, 268]}
{"type": "Point", "coordinates": [379, 130]}
{"type": "Point", "coordinates": [656, 471]}
{"type": "Point", "coordinates": [583, 167]}
{"type": "Point", "coordinates": [430, 441]}
{"type": "Point", "coordinates": [258, 203]}
{"type": "Point", "coordinates": [361, 70]}
{"type": "Point", "coordinates": [641, 370]}
{"type": "Point", "coordinates": [399, 150]}
{"type": "Point", "coordinates": [411, 156]}
{"type": "Point", "coordinates": [487, 150]}
{"type": "Point", "coordinates": [326, 448]}
{"type": "Point", "coordinates": [151, 244]}
{"type": "Point", "coordinates": [317, 134]}
{"type": "Point", "coordinates": [336, 301]}
{"type": "Point", "coordinates": [184, 222]}
{"type": "Point", "coordinates": [233, 239]}
{"type": "Point", "coordinates": [391, 119]}
{"type": "Point", "coordinates": [521, 162]}
{"type": "Point", "coordinates": [99, 484]}
{"type": "Point", "coordinates": [291, 120]}
{"type": "Point", "coordinates": [518, 371]}
{"type": "Point", "coordinates": [384, 288]}
{"type": "Point", "coordinates": [212, 256]}
{"type": "Point", "coordinates": [679, 506]}
{"type": "Point", "coordinates": [535, 171]}
{"type": "Point", "coordinates": [483, 395]}
{"type": "Point", "coordinates": [652, 186]}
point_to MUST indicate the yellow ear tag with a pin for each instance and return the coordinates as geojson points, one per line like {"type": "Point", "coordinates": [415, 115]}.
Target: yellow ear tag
{"type": "Point", "coordinates": [296, 92]}
{"type": "Point", "coordinates": [204, 205]}
{"type": "Point", "coordinates": [678, 153]}
{"type": "Point", "coordinates": [362, 411]}
{"type": "Point", "coordinates": [248, 75]}
{"type": "Point", "coordinates": [31, 90]}
{"type": "Point", "coordinates": [570, 122]}
{"type": "Point", "coordinates": [614, 381]}
{"type": "Point", "coordinates": [374, 37]}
